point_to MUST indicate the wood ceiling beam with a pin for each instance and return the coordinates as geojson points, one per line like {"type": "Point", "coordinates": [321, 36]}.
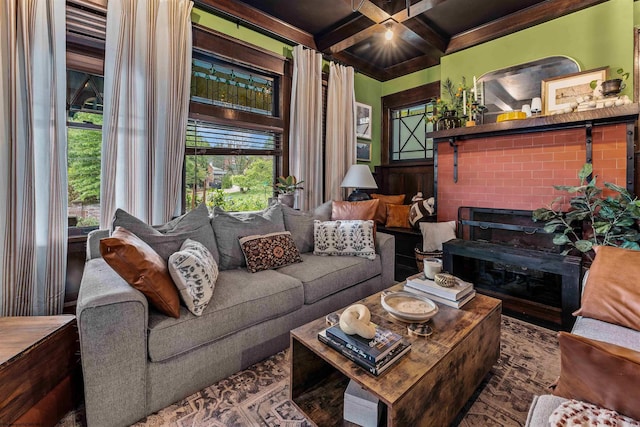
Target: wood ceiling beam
{"type": "Point", "coordinates": [416, 9]}
{"type": "Point", "coordinates": [361, 66]}
{"type": "Point", "coordinates": [410, 66]}
{"type": "Point", "coordinates": [438, 43]}
{"type": "Point", "coordinates": [534, 15]}
{"type": "Point", "coordinates": [255, 19]}
{"type": "Point", "coordinates": [336, 35]}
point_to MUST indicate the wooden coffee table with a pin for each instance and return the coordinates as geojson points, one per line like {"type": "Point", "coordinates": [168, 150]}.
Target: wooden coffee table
{"type": "Point", "coordinates": [427, 387]}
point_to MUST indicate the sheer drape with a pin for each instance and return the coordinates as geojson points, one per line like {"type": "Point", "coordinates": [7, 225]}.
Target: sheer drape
{"type": "Point", "coordinates": [305, 131]}
{"type": "Point", "coordinates": [341, 129]}
{"type": "Point", "coordinates": [33, 157]}
{"type": "Point", "coordinates": [146, 83]}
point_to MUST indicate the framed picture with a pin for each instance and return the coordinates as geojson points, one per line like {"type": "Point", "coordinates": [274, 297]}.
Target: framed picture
{"type": "Point", "coordinates": [363, 151]}
{"type": "Point", "coordinates": [559, 92]}
{"type": "Point", "coordinates": [363, 120]}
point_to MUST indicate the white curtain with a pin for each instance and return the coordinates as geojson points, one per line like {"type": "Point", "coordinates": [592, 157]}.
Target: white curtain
{"type": "Point", "coordinates": [147, 76]}
{"type": "Point", "coordinates": [341, 129]}
{"type": "Point", "coordinates": [305, 130]}
{"type": "Point", "coordinates": [33, 157]}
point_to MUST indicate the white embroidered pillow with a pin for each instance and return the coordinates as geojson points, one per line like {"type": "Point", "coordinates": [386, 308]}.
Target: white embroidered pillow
{"type": "Point", "coordinates": [194, 271]}
{"type": "Point", "coordinates": [344, 237]}
{"type": "Point", "coordinates": [434, 234]}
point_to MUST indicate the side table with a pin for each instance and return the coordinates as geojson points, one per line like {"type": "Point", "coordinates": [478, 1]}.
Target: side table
{"type": "Point", "coordinates": [40, 376]}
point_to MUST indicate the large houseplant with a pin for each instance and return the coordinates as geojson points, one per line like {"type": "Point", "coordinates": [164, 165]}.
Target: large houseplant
{"type": "Point", "coordinates": [592, 219]}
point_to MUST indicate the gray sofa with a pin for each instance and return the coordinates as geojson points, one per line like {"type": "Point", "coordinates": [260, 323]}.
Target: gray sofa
{"type": "Point", "coordinates": [543, 406]}
{"type": "Point", "coordinates": [136, 360]}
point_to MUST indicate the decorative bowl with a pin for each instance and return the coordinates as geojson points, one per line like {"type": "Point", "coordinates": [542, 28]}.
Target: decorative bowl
{"type": "Point", "coordinates": [408, 307]}
{"type": "Point", "coordinates": [445, 280]}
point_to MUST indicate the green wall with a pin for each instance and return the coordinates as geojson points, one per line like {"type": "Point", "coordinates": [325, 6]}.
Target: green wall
{"type": "Point", "coordinates": [599, 36]}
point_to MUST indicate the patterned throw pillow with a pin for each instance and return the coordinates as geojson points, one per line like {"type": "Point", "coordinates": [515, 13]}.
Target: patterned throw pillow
{"type": "Point", "coordinates": [267, 251]}
{"type": "Point", "coordinates": [194, 271]}
{"type": "Point", "coordinates": [344, 237]}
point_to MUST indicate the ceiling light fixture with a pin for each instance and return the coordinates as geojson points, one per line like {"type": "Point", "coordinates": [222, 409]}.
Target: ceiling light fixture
{"type": "Point", "coordinates": [388, 35]}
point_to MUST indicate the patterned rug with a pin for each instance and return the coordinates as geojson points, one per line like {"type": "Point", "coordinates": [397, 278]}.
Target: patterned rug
{"type": "Point", "coordinates": [258, 396]}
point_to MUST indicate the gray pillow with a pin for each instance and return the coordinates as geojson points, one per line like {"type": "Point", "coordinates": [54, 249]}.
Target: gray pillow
{"type": "Point", "coordinates": [300, 224]}
{"type": "Point", "coordinates": [229, 227]}
{"type": "Point", "coordinates": [167, 239]}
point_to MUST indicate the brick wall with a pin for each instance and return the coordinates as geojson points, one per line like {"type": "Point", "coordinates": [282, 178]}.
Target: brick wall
{"type": "Point", "coordinates": [519, 171]}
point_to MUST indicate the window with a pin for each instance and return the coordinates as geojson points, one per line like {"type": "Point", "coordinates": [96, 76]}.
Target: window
{"type": "Point", "coordinates": [408, 127]}
{"type": "Point", "coordinates": [407, 116]}
{"type": "Point", "coordinates": [235, 133]}
{"type": "Point", "coordinates": [84, 141]}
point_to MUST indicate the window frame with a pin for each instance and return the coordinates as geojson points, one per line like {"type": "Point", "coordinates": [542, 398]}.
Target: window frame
{"type": "Point", "coordinates": [399, 100]}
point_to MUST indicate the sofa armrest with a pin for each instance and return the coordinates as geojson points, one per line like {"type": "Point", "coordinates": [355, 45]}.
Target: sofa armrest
{"type": "Point", "coordinates": [93, 243]}
{"type": "Point", "coordinates": [112, 324]}
{"type": "Point", "coordinates": [386, 248]}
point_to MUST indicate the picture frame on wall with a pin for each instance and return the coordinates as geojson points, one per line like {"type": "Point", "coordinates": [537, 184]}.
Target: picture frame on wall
{"type": "Point", "coordinates": [559, 92]}
{"type": "Point", "coordinates": [363, 151]}
{"type": "Point", "coordinates": [363, 120]}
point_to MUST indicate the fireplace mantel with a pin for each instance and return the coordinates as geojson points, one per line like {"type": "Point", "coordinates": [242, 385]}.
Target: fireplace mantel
{"type": "Point", "coordinates": [623, 114]}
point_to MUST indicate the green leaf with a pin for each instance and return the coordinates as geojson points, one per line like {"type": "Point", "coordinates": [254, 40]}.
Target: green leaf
{"type": "Point", "coordinates": [602, 227]}
{"type": "Point", "coordinates": [543, 214]}
{"type": "Point", "coordinates": [631, 245]}
{"type": "Point", "coordinates": [585, 171]}
{"type": "Point", "coordinates": [560, 239]}
{"type": "Point", "coordinates": [551, 228]}
{"type": "Point", "coordinates": [583, 245]}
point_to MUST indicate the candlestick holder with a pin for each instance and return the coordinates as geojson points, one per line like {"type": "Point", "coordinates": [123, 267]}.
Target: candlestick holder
{"type": "Point", "coordinates": [477, 114]}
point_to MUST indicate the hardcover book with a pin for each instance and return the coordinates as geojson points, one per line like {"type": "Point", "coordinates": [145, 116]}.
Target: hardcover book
{"type": "Point", "coordinates": [376, 369]}
{"type": "Point", "coordinates": [374, 349]}
{"type": "Point", "coordinates": [453, 293]}
{"type": "Point", "coordinates": [455, 304]}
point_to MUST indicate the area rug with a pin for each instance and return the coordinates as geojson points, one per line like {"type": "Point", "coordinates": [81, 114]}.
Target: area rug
{"type": "Point", "coordinates": [259, 396]}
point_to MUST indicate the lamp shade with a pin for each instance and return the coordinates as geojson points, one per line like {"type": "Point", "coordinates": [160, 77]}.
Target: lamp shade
{"type": "Point", "coordinates": [359, 176]}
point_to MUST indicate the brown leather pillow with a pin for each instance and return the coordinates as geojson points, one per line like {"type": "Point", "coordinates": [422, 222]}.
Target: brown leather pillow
{"type": "Point", "coordinates": [611, 293]}
{"type": "Point", "coordinates": [604, 374]}
{"type": "Point", "coordinates": [381, 213]}
{"type": "Point", "coordinates": [398, 216]}
{"type": "Point", "coordinates": [363, 210]}
{"type": "Point", "coordinates": [142, 268]}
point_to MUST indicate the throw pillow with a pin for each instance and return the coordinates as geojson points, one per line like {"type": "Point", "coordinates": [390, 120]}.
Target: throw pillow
{"type": "Point", "coordinates": [434, 234]}
{"type": "Point", "coordinates": [141, 267]}
{"type": "Point", "coordinates": [381, 213]}
{"type": "Point", "coordinates": [228, 227]}
{"type": "Point", "coordinates": [349, 237]}
{"type": "Point", "coordinates": [300, 224]}
{"type": "Point", "coordinates": [611, 293]}
{"type": "Point", "coordinates": [363, 210]}
{"type": "Point", "coordinates": [604, 374]}
{"type": "Point", "coordinates": [577, 413]}
{"type": "Point", "coordinates": [398, 216]}
{"type": "Point", "coordinates": [194, 271]}
{"type": "Point", "coordinates": [166, 239]}
{"type": "Point", "coordinates": [421, 210]}
{"type": "Point", "coordinates": [268, 251]}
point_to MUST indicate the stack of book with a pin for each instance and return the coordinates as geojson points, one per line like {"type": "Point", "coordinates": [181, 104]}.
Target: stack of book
{"type": "Point", "coordinates": [455, 296]}
{"type": "Point", "coordinates": [375, 355]}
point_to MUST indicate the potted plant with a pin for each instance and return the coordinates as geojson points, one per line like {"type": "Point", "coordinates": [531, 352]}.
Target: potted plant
{"type": "Point", "coordinates": [592, 219]}
{"type": "Point", "coordinates": [612, 86]}
{"type": "Point", "coordinates": [286, 188]}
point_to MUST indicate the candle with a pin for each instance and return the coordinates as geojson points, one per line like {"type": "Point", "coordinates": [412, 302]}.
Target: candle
{"type": "Point", "coordinates": [464, 102]}
{"type": "Point", "coordinates": [475, 89]}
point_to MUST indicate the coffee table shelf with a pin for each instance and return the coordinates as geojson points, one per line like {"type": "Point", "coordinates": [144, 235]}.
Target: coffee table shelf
{"type": "Point", "coordinates": [428, 386]}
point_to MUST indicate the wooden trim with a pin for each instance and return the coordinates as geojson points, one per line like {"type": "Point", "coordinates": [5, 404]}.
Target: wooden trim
{"type": "Point", "coordinates": [236, 51]}
{"type": "Point", "coordinates": [226, 116]}
{"type": "Point", "coordinates": [257, 20]}
{"type": "Point", "coordinates": [534, 15]}
{"type": "Point", "coordinates": [88, 64]}
{"type": "Point", "coordinates": [636, 64]}
{"type": "Point", "coordinates": [396, 100]}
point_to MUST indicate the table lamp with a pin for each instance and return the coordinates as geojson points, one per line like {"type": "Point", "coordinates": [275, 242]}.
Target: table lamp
{"type": "Point", "coordinates": [358, 177]}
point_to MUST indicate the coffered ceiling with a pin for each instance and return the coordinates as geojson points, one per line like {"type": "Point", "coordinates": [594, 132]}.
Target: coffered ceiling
{"type": "Point", "coordinates": [353, 31]}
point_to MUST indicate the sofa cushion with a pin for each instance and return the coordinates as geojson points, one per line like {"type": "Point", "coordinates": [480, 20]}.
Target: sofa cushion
{"type": "Point", "coordinates": [300, 224]}
{"type": "Point", "coordinates": [434, 234]}
{"type": "Point", "coordinates": [194, 272]}
{"type": "Point", "coordinates": [398, 216]}
{"type": "Point", "coordinates": [362, 210]}
{"type": "Point", "coordinates": [167, 238]}
{"type": "Point", "coordinates": [577, 413]}
{"type": "Point", "coordinates": [141, 267]}
{"type": "Point", "coordinates": [381, 212]}
{"type": "Point", "coordinates": [345, 238]}
{"type": "Point", "coordinates": [604, 374]}
{"type": "Point", "coordinates": [322, 276]}
{"type": "Point", "coordinates": [611, 293]}
{"type": "Point", "coordinates": [240, 300]}
{"type": "Point", "coordinates": [607, 332]}
{"type": "Point", "coordinates": [267, 251]}
{"type": "Point", "coordinates": [229, 226]}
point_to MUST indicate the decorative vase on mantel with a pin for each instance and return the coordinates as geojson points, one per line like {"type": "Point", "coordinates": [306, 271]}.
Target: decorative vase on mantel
{"type": "Point", "coordinates": [449, 120]}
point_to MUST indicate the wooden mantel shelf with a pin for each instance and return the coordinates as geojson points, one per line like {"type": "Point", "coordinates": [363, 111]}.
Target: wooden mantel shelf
{"type": "Point", "coordinates": [622, 114]}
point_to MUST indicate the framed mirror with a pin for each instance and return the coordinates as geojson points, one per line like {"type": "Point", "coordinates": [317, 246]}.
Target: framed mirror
{"type": "Point", "coordinates": [510, 88]}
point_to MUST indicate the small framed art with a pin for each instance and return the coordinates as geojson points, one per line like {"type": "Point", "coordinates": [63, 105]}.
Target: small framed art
{"type": "Point", "coordinates": [559, 92]}
{"type": "Point", "coordinates": [363, 151]}
{"type": "Point", "coordinates": [363, 121]}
